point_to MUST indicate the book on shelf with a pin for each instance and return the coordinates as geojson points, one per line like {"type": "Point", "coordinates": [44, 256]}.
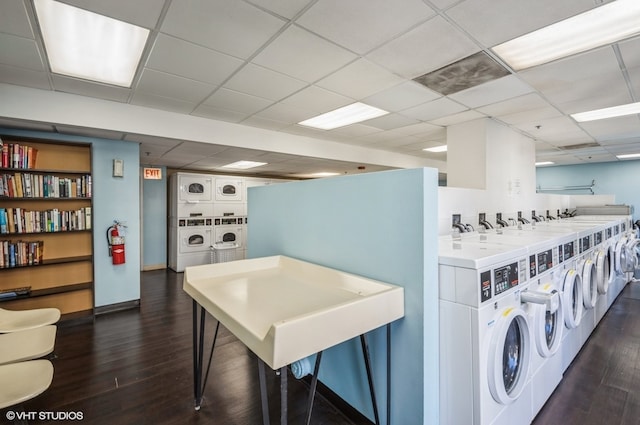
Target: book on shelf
{"type": "Point", "coordinates": [15, 155]}
{"type": "Point", "coordinates": [28, 185]}
{"type": "Point", "coordinates": [19, 220]}
{"type": "Point", "coordinates": [21, 253]}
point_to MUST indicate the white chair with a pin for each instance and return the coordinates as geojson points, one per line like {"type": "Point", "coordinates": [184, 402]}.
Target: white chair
{"type": "Point", "coordinates": [27, 345]}
{"type": "Point", "coordinates": [20, 320]}
{"type": "Point", "coordinates": [23, 381]}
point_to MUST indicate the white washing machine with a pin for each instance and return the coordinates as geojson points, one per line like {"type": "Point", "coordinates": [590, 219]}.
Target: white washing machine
{"type": "Point", "coordinates": [485, 339]}
{"type": "Point", "coordinates": [191, 242]}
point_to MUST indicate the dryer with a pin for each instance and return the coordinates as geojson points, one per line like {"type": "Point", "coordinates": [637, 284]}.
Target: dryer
{"type": "Point", "coordinates": [192, 242]}
{"type": "Point", "coordinates": [485, 337]}
{"type": "Point", "coordinates": [191, 195]}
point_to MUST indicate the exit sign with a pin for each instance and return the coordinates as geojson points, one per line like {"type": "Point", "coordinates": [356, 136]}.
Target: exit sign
{"type": "Point", "coordinates": [153, 173]}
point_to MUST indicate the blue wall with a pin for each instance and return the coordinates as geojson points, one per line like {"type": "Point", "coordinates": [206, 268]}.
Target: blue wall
{"type": "Point", "coordinates": [154, 222]}
{"type": "Point", "coordinates": [382, 226]}
{"type": "Point", "coordinates": [621, 178]}
{"type": "Point", "coordinates": [114, 198]}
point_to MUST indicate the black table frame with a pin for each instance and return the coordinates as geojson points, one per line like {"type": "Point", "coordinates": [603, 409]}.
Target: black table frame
{"type": "Point", "coordinates": [199, 384]}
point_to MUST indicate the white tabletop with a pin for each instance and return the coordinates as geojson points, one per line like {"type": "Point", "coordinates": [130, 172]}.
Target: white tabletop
{"type": "Point", "coordinates": [285, 309]}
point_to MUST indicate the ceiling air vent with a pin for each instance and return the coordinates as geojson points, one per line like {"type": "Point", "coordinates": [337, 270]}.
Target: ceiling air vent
{"type": "Point", "coordinates": [469, 72]}
{"type": "Point", "coordinates": [579, 146]}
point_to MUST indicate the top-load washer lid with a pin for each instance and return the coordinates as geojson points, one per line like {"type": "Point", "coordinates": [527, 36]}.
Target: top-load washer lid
{"type": "Point", "coordinates": [589, 276]}
{"type": "Point", "coordinates": [509, 355]}
{"type": "Point", "coordinates": [572, 297]}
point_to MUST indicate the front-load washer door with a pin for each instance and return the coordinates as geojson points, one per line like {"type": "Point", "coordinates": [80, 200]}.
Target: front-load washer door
{"type": "Point", "coordinates": [589, 284]}
{"type": "Point", "coordinates": [548, 326]}
{"type": "Point", "coordinates": [572, 297]}
{"type": "Point", "coordinates": [603, 271]}
{"type": "Point", "coordinates": [623, 258]}
{"type": "Point", "coordinates": [509, 355]}
{"type": "Point", "coordinates": [194, 240]}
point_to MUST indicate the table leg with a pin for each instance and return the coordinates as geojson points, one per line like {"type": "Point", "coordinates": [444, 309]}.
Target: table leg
{"type": "Point", "coordinates": [283, 396]}
{"type": "Point", "coordinates": [388, 374]}
{"type": "Point", "coordinates": [263, 392]}
{"type": "Point", "coordinates": [198, 348]}
{"type": "Point", "coordinates": [312, 389]}
{"type": "Point", "coordinates": [367, 364]}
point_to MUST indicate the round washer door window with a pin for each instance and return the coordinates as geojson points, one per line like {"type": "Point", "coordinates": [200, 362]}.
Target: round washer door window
{"type": "Point", "coordinates": [509, 356]}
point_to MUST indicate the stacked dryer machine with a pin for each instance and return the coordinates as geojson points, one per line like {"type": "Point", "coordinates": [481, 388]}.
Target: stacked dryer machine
{"type": "Point", "coordinates": [190, 220]}
{"type": "Point", "coordinates": [230, 219]}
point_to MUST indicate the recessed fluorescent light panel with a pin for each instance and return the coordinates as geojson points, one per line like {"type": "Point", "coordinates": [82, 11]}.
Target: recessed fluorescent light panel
{"type": "Point", "coordinates": [86, 45]}
{"type": "Point", "coordinates": [324, 174]}
{"type": "Point", "coordinates": [628, 156]}
{"type": "Point", "coordinates": [544, 163]}
{"type": "Point", "coordinates": [244, 165]}
{"type": "Point", "coordinates": [442, 148]}
{"type": "Point", "coordinates": [612, 112]}
{"type": "Point", "coordinates": [350, 114]}
{"type": "Point", "coordinates": [597, 27]}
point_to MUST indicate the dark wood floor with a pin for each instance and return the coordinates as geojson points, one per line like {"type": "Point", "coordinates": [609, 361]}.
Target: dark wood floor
{"type": "Point", "coordinates": [602, 385]}
{"type": "Point", "coordinates": [135, 367]}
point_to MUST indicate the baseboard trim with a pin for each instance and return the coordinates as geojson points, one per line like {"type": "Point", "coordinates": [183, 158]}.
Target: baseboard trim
{"type": "Point", "coordinates": [111, 308]}
{"type": "Point", "coordinates": [151, 267]}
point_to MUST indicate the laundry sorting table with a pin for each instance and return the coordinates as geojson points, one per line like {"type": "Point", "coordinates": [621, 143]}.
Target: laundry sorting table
{"type": "Point", "coordinates": [284, 310]}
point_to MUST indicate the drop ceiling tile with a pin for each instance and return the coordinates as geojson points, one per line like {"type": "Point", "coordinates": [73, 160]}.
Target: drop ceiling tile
{"type": "Point", "coordinates": [285, 113]}
{"type": "Point", "coordinates": [168, 85]}
{"type": "Point", "coordinates": [90, 89]}
{"type": "Point", "coordinates": [20, 52]}
{"type": "Point", "coordinates": [613, 129]}
{"type": "Point", "coordinates": [514, 105]}
{"type": "Point", "coordinates": [14, 19]}
{"type": "Point", "coordinates": [533, 116]}
{"type": "Point", "coordinates": [317, 99]}
{"type": "Point", "coordinates": [24, 77]}
{"type": "Point", "coordinates": [262, 82]}
{"type": "Point", "coordinates": [260, 122]}
{"type": "Point", "coordinates": [630, 50]}
{"type": "Point", "coordinates": [634, 76]}
{"type": "Point", "coordinates": [360, 79]}
{"type": "Point", "coordinates": [198, 149]}
{"type": "Point", "coordinates": [420, 130]}
{"type": "Point", "coordinates": [458, 118]}
{"type": "Point", "coordinates": [402, 96]}
{"type": "Point", "coordinates": [559, 131]}
{"type": "Point", "coordinates": [603, 157]}
{"type": "Point", "coordinates": [361, 25]}
{"type": "Point", "coordinates": [618, 95]}
{"type": "Point", "coordinates": [206, 111]}
{"type": "Point", "coordinates": [144, 13]}
{"type": "Point", "coordinates": [162, 103]}
{"type": "Point", "coordinates": [494, 91]}
{"type": "Point", "coordinates": [188, 60]}
{"type": "Point", "coordinates": [435, 109]}
{"type": "Point", "coordinates": [354, 130]}
{"type": "Point", "coordinates": [302, 55]}
{"type": "Point", "coordinates": [391, 121]}
{"type": "Point", "coordinates": [287, 9]}
{"type": "Point", "coordinates": [232, 27]}
{"type": "Point", "coordinates": [236, 101]}
{"type": "Point", "coordinates": [411, 55]}
{"type": "Point", "coordinates": [444, 4]}
{"type": "Point", "coordinates": [511, 18]}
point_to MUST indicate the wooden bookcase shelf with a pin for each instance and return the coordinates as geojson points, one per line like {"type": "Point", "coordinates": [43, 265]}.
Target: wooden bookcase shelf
{"type": "Point", "coordinates": [64, 275]}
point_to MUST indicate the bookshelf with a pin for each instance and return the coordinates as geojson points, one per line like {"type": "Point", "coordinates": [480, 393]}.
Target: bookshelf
{"type": "Point", "coordinates": [46, 231]}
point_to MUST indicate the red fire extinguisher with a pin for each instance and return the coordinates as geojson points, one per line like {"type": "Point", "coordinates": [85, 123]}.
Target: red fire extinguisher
{"type": "Point", "coordinates": [116, 244]}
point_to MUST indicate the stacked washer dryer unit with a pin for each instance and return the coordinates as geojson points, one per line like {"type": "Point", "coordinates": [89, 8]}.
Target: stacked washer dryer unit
{"type": "Point", "coordinates": [230, 218]}
{"type": "Point", "coordinates": [485, 341]}
{"type": "Point", "coordinates": [190, 220]}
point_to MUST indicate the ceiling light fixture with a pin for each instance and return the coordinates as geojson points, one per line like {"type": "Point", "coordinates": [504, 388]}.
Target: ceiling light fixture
{"type": "Point", "coordinates": [628, 156]}
{"type": "Point", "coordinates": [612, 112]}
{"type": "Point", "coordinates": [350, 114]}
{"type": "Point", "coordinates": [544, 163]}
{"type": "Point", "coordinates": [324, 174]}
{"type": "Point", "coordinates": [86, 45]}
{"type": "Point", "coordinates": [244, 165]}
{"type": "Point", "coordinates": [597, 27]}
{"type": "Point", "coordinates": [442, 148]}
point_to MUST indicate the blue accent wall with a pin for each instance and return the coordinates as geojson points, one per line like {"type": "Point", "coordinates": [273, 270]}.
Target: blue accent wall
{"type": "Point", "coordinates": [621, 178]}
{"type": "Point", "coordinates": [114, 198]}
{"type": "Point", "coordinates": [382, 226]}
{"type": "Point", "coordinates": [154, 221]}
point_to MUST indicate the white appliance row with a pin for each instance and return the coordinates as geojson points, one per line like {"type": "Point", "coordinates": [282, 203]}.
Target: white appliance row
{"type": "Point", "coordinates": [208, 218]}
{"type": "Point", "coordinates": [516, 306]}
